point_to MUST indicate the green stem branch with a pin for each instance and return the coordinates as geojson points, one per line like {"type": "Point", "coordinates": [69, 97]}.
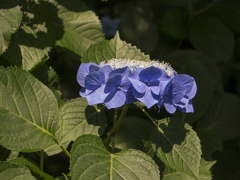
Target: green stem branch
{"type": "Point", "coordinates": [41, 160]}
{"type": "Point", "coordinates": [118, 123]}
{"type": "Point", "coordinates": [65, 151]}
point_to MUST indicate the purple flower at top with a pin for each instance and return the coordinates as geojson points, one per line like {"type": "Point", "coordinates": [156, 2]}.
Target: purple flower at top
{"type": "Point", "coordinates": [178, 94]}
{"type": "Point", "coordinates": [146, 84]}
{"type": "Point", "coordinates": [118, 88]}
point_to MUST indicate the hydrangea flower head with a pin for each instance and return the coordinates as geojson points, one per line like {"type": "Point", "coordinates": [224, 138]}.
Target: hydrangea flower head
{"type": "Point", "coordinates": [123, 81]}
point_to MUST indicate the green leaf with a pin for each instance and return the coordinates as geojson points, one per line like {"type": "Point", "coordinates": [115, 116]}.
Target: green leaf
{"type": "Point", "coordinates": [145, 145]}
{"type": "Point", "coordinates": [210, 142]}
{"type": "Point", "coordinates": [177, 145]}
{"type": "Point", "coordinates": [173, 23]}
{"type": "Point", "coordinates": [204, 94]}
{"type": "Point", "coordinates": [170, 174]}
{"type": "Point", "coordinates": [58, 96]}
{"type": "Point", "coordinates": [14, 171]}
{"type": "Point", "coordinates": [52, 77]}
{"type": "Point", "coordinates": [223, 115]}
{"type": "Point", "coordinates": [36, 172]}
{"type": "Point", "coordinates": [76, 118]}
{"type": "Point", "coordinates": [204, 172]}
{"type": "Point", "coordinates": [81, 26]}
{"type": "Point", "coordinates": [33, 40]}
{"type": "Point", "coordinates": [211, 36]}
{"type": "Point", "coordinates": [27, 111]}
{"type": "Point", "coordinates": [115, 48]}
{"type": "Point", "coordinates": [179, 58]}
{"type": "Point", "coordinates": [131, 131]}
{"type": "Point", "coordinates": [228, 11]}
{"type": "Point", "coordinates": [105, 164]}
{"type": "Point", "coordinates": [10, 18]}
{"type": "Point", "coordinates": [137, 27]}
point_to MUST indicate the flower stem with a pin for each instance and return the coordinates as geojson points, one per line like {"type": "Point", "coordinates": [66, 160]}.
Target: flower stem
{"type": "Point", "coordinates": [148, 115]}
{"type": "Point", "coordinates": [65, 151]}
{"type": "Point", "coordinates": [118, 123]}
{"type": "Point", "coordinates": [41, 160]}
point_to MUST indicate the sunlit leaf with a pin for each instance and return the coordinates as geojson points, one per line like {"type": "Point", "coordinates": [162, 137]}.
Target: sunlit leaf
{"type": "Point", "coordinates": [177, 145]}
{"type": "Point", "coordinates": [81, 26]}
{"type": "Point", "coordinates": [76, 118]}
{"type": "Point", "coordinates": [37, 173]}
{"type": "Point", "coordinates": [14, 171]}
{"type": "Point", "coordinates": [10, 18]}
{"type": "Point", "coordinates": [91, 159]}
{"type": "Point", "coordinates": [34, 38]}
{"type": "Point", "coordinates": [27, 110]}
{"type": "Point", "coordinates": [115, 48]}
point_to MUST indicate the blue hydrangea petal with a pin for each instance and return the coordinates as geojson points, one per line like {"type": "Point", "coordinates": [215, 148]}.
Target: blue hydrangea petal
{"type": "Point", "coordinates": [94, 80]}
{"type": "Point", "coordinates": [137, 84]}
{"type": "Point", "coordinates": [84, 70]}
{"type": "Point", "coordinates": [124, 72]}
{"type": "Point", "coordinates": [188, 108]}
{"type": "Point", "coordinates": [170, 108]}
{"type": "Point", "coordinates": [106, 70]}
{"type": "Point", "coordinates": [124, 86]}
{"type": "Point", "coordinates": [115, 99]}
{"type": "Point", "coordinates": [186, 80]}
{"type": "Point", "coordinates": [193, 92]}
{"type": "Point", "coordinates": [130, 97]}
{"type": "Point", "coordinates": [155, 87]}
{"type": "Point", "coordinates": [97, 96]}
{"type": "Point", "coordinates": [174, 91]}
{"type": "Point", "coordinates": [148, 98]}
{"type": "Point", "coordinates": [150, 74]}
{"type": "Point", "coordinates": [113, 83]}
{"type": "Point", "coordinates": [82, 92]}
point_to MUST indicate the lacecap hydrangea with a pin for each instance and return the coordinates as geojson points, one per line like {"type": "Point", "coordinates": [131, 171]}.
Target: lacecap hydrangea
{"type": "Point", "coordinates": [123, 81]}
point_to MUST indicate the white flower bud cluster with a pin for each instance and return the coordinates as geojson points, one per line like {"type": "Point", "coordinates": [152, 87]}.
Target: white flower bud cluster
{"type": "Point", "coordinates": [134, 64]}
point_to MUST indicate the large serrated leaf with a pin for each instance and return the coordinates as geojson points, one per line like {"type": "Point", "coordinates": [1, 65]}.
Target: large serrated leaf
{"type": "Point", "coordinates": [27, 110]}
{"type": "Point", "coordinates": [10, 18]}
{"type": "Point", "coordinates": [91, 159]}
{"type": "Point", "coordinates": [204, 172]}
{"type": "Point", "coordinates": [211, 36]}
{"type": "Point", "coordinates": [33, 40]}
{"type": "Point", "coordinates": [115, 48]}
{"type": "Point", "coordinates": [223, 116]}
{"type": "Point", "coordinates": [177, 145]}
{"type": "Point", "coordinates": [76, 118]}
{"type": "Point", "coordinates": [81, 26]}
{"type": "Point", "coordinates": [10, 171]}
{"type": "Point", "coordinates": [37, 173]}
